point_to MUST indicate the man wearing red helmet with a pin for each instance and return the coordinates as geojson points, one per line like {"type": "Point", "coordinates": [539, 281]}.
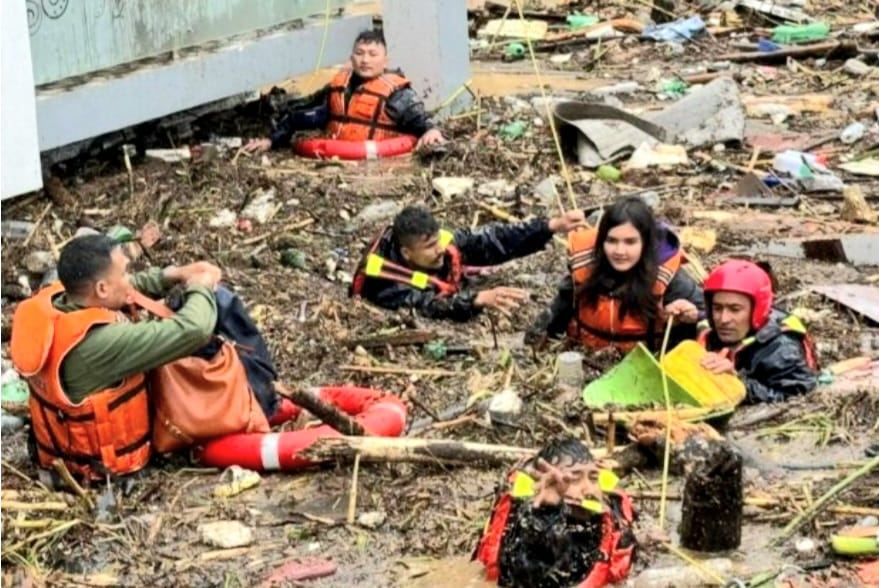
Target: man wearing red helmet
{"type": "Point", "coordinates": [768, 349]}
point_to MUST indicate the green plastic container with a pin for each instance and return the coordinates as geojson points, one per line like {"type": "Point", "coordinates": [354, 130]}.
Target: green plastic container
{"type": "Point", "coordinates": [800, 33]}
{"type": "Point", "coordinates": [608, 173]}
{"type": "Point", "coordinates": [514, 51]}
{"type": "Point", "coordinates": [120, 233]}
{"type": "Point", "coordinates": [514, 130]}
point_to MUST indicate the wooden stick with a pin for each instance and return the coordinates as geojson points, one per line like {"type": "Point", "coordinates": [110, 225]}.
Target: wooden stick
{"type": "Point", "coordinates": [815, 50]}
{"type": "Point", "coordinates": [408, 449]}
{"type": "Point", "coordinates": [26, 506]}
{"type": "Point", "coordinates": [407, 337]}
{"type": "Point", "coordinates": [352, 496]}
{"type": "Point", "coordinates": [327, 413]}
{"type": "Point", "coordinates": [62, 470]}
{"type": "Point", "coordinates": [396, 370]}
{"type": "Point", "coordinates": [822, 502]}
{"type": "Point", "coordinates": [37, 223]}
{"type": "Point", "coordinates": [762, 502]}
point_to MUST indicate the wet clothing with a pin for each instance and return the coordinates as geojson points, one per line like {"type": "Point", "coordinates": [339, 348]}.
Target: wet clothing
{"type": "Point", "coordinates": [775, 363]}
{"type": "Point", "coordinates": [361, 116]}
{"type": "Point", "coordinates": [490, 245]}
{"type": "Point", "coordinates": [402, 107]}
{"type": "Point", "coordinates": [602, 325]}
{"type": "Point", "coordinates": [554, 546]}
{"type": "Point", "coordinates": [111, 352]}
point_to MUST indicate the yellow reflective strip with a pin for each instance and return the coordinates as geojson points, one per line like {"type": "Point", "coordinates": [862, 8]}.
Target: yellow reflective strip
{"type": "Point", "coordinates": [592, 505]}
{"type": "Point", "coordinates": [374, 264]}
{"type": "Point", "coordinates": [747, 341]}
{"type": "Point", "coordinates": [794, 324]}
{"type": "Point", "coordinates": [445, 238]}
{"type": "Point", "coordinates": [523, 486]}
{"type": "Point", "coordinates": [420, 280]}
{"type": "Point", "coordinates": [607, 480]}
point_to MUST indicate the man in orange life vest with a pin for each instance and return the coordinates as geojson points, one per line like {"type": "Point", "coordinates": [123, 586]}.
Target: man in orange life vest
{"type": "Point", "coordinates": [85, 361]}
{"type": "Point", "coordinates": [562, 521]}
{"type": "Point", "coordinates": [413, 264]}
{"type": "Point", "coordinates": [365, 102]}
{"type": "Point", "coordinates": [768, 349]}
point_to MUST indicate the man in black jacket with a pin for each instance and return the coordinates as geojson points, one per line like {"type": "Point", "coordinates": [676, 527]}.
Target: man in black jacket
{"type": "Point", "coordinates": [365, 102]}
{"type": "Point", "coordinates": [415, 265]}
{"type": "Point", "coordinates": [768, 349]}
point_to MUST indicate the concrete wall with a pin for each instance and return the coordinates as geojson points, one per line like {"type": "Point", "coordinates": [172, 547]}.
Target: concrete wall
{"type": "Point", "coordinates": [19, 154]}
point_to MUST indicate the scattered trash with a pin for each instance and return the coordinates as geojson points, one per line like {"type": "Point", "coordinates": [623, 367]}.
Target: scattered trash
{"type": "Point", "coordinates": [561, 58]}
{"type": "Point", "coordinates": [513, 51]}
{"type": "Point", "coordinates": [774, 8]}
{"type": "Point", "coordinates": [514, 28]}
{"type": "Point", "coordinates": [757, 106]}
{"type": "Point", "coordinates": [10, 423]}
{"type": "Point", "coordinates": [496, 189]}
{"type": "Point", "coordinates": [223, 218]}
{"type": "Point", "coordinates": [862, 167]}
{"type": "Point", "coordinates": [579, 21]}
{"type": "Point", "coordinates": [514, 130]}
{"type": "Point", "coordinates": [504, 407]}
{"type": "Point", "coordinates": [797, 164]}
{"type": "Point", "coordinates": [856, 67]}
{"type": "Point", "coordinates": [262, 206]}
{"type": "Point", "coordinates": [241, 479]}
{"type": "Point", "coordinates": [299, 571]}
{"type": "Point", "coordinates": [855, 208]}
{"type": "Point", "coordinates": [702, 240]}
{"type": "Point", "coordinates": [16, 230]}
{"type": "Point", "coordinates": [857, 249]}
{"type": "Point", "coordinates": [852, 133]}
{"type": "Point", "coordinates": [169, 155]}
{"type": "Point", "coordinates": [608, 173]}
{"type": "Point", "coordinates": [243, 225]}
{"type": "Point", "coordinates": [682, 576]}
{"type": "Point", "coordinates": [39, 262]}
{"type": "Point", "coordinates": [372, 519]}
{"type": "Point", "coordinates": [807, 33]}
{"type": "Point", "coordinates": [120, 233]}
{"type": "Point", "coordinates": [570, 372]}
{"type": "Point", "coordinates": [657, 154]}
{"type": "Point", "coordinates": [225, 534]}
{"type": "Point", "coordinates": [382, 210]}
{"type": "Point", "coordinates": [680, 30]}
{"type": "Point", "coordinates": [449, 187]}
{"type": "Point", "coordinates": [861, 298]}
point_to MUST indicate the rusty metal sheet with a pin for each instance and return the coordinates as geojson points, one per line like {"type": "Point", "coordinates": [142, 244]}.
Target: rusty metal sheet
{"type": "Point", "coordinates": [862, 299]}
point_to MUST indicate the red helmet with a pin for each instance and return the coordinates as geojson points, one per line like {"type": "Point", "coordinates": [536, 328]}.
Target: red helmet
{"type": "Point", "coordinates": [744, 277]}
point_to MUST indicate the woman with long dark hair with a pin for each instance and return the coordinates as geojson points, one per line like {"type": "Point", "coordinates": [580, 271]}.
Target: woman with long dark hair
{"type": "Point", "coordinates": [625, 281]}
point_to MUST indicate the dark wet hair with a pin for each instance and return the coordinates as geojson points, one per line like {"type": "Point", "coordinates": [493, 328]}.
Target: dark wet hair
{"type": "Point", "coordinates": [84, 260]}
{"type": "Point", "coordinates": [635, 287]}
{"type": "Point", "coordinates": [371, 36]}
{"type": "Point", "coordinates": [414, 223]}
{"type": "Point", "coordinates": [564, 450]}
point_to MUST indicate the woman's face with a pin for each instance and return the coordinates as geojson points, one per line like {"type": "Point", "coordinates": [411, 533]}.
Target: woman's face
{"type": "Point", "coordinates": [623, 247]}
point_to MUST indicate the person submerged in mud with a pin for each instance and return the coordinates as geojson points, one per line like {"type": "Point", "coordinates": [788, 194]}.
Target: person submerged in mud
{"type": "Point", "coordinates": [366, 102]}
{"type": "Point", "coordinates": [768, 349]}
{"type": "Point", "coordinates": [413, 264]}
{"type": "Point", "coordinates": [562, 522]}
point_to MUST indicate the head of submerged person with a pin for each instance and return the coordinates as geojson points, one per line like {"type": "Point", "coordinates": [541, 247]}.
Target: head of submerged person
{"type": "Point", "coordinates": [416, 232]}
{"type": "Point", "coordinates": [94, 272]}
{"type": "Point", "coordinates": [574, 460]}
{"type": "Point", "coordinates": [626, 258]}
{"type": "Point", "coordinates": [369, 57]}
{"type": "Point", "coordinates": [739, 296]}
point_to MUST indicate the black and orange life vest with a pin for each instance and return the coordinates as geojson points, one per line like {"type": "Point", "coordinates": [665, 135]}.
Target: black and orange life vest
{"type": "Point", "coordinates": [375, 266]}
{"type": "Point", "coordinates": [789, 324]}
{"type": "Point", "coordinates": [600, 325]}
{"type": "Point", "coordinates": [616, 560]}
{"type": "Point", "coordinates": [364, 118]}
{"type": "Point", "coordinates": [109, 431]}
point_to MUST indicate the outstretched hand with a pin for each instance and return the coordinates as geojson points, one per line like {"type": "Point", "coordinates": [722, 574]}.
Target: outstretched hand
{"type": "Point", "coordinates": [258, 145]}
{"type": "Point", "coordinates": [568, 221]}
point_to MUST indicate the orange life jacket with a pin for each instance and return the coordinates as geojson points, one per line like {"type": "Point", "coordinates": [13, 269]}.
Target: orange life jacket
{"type": "Point", "coordinates": [616, 560]}
{"type": "Point", "coordinates": [109, 431]}
{"type": "Point", "coordinates": [365, 117]}
{"type": "Point", "coordinates": [600, 325]}
{"type": "Point", "coordinates": [374, 266]}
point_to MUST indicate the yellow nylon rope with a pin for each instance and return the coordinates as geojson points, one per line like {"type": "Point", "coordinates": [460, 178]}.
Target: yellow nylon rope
{"type": "Point", "coordinates": [323, 41]}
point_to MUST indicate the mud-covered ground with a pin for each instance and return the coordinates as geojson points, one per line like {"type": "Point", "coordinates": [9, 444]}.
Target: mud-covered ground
{"type": "Point", "coordinates": [148, 535]}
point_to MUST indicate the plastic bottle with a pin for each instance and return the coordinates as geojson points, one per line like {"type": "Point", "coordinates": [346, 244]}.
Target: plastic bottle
{"type": "Point", "coordinates": [852, 133]}
{"type": "Point", "coordinates": [683, 576]}
{"type": "Point", "coordinates": [578, 21]}
{"type": "Point", "coordinates": [571, 374]}
{"type": "Point", "coordinates": [800, 33]}
{"type": "Point", "coordinates": [798, 164]}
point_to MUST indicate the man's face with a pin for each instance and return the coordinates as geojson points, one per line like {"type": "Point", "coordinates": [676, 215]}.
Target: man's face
{"type": "Point", "coordinates": [731, 314]}
{"type": "Point", "coordinates": [112, 289]}
{"type": "Point", "coordinates": [369, 60]}
{"type": "Point", "coordinates": [424, 252]}
{"type": "Point", "coordinates": [584, 482]}
{"type": "Point", "coordinates": [623, 247]}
